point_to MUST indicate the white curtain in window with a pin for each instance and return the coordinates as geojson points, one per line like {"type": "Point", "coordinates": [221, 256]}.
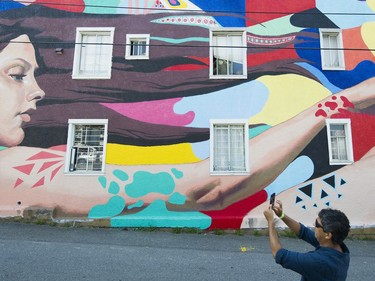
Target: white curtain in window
{"type": "Point", "coordinates": [95, 53]}
{"type": "Point", "coordinates": [338, 142]}
{"type": "Point", "coordinates": [229, 148]}
{"type": "Point", "coordinates": [331, 52]}
{"type": "Point", "coordinates": [224, 50]}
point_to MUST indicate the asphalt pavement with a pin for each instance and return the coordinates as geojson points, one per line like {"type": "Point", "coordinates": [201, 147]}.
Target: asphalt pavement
{"type": "Point", "coordinates": [42, 252]}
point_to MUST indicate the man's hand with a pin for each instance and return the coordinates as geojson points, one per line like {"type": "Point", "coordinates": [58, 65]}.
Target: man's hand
{"type": "Point", "coordinates": [268, 213]}
{"type": "Point", "coordinates": [278, 208]}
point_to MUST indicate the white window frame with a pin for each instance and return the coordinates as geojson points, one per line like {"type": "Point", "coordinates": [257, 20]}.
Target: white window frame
{"type": "Point", "coordinates": [348, 141]}
{"type": "Point", "coordinates": [326, 53]}
{"type": "Point", "coordinates": [80, 33]}
{"type": "Point", "coordinates": [242, 122]}
{"type": "Point", "coordinates": [137, 37]}
{"type": "Point", "coordinates": [242, 52]}
{"type": "Point", "coordinates": [70, 150]}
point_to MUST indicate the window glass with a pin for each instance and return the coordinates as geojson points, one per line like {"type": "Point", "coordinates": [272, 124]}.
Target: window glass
{"type": "Point", "coordinates": [86, 146]}
{"type": "Point", "coordinates": [229, 147]}
{"type": "Point", "coordinates": [340, 141]}
{"type": "Point", "coordinates": [332, 49]}
{"type": "Point", "coordinates": [93, 53]}
{"type": "Point", "coordinates": [228, 54]}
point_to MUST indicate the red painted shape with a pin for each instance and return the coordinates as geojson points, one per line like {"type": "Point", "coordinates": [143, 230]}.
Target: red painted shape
{"type": "Point", "coordinates": [320, 112]}
{"type": "Point", "coordinates": [270, 56]}
{"type": "Point", "coordinates": [77, 6]}
{"type": "Point", "coordinates": [54, 172]}
{"type": "Point", "coordinates": [39, 183]}
{"type": "Point", "coordinates": [26, 169]}
{"type": "Point", "coordinates": [46, 165]}
{"type": "Point", "coordinates": [18, 182]}
{"type": "Point", "coordinates": [44, 155]}
{"type": "Point", "coordinates": [347, 103]}
{"type": "Point", "coordinates": [232, 216]}
{"type": "Point", "coordinates": [362, 126]}
{"type": "Point", "coordinates": [331, 104]}
{"type": "Point", "coordinates": [264, 10]}
{"type": "Point", "coordinates": [185, 67]}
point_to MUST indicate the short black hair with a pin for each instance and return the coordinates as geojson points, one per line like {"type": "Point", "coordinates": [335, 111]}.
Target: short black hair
{"type": "Point", "coordinates": [335, 222]}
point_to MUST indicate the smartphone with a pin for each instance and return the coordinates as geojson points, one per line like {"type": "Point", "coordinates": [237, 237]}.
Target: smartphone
{"type": "Point", "coordinates": [272, 199]}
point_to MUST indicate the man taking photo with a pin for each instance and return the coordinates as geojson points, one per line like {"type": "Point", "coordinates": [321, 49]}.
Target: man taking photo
{"type": "Point", "coordinates": [330, 259]}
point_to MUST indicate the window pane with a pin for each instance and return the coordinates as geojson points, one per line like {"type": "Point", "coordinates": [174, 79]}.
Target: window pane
{"type": "Point", "coordinates": [87, 148]}
{"type": "Point", "coordinates": [138, 48]}
{"type": "Point", "coordinates": [229, 148]}
{"type": "Point", "coordinates": [227, 54]}
{"type": "Point", "coordinates": [331, 52]}
{"type": "Point", "coordinates": [338, 142]}
{"type": "Point", "coordinates": [96, 54]}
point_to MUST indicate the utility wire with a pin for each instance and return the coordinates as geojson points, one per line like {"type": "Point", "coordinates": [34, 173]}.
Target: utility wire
{"type": "Point", "coordinates": [190, 46]}
{"type": "Point", "coordinates": [186, 10]}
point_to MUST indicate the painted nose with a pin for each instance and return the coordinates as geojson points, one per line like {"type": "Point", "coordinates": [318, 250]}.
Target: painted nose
{"type": "Point", "coordinates": [35, 93]}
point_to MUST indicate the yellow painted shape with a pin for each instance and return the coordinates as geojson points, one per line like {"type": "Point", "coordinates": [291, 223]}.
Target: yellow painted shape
{"type": "Point", "coordinates": [367, 32]}
{"type": "Point", "coordinates": [289, 95]}
{"type": "Point", "coordinates": [371, 4]}
{"type": "Point", "coordinates": [138, 155]}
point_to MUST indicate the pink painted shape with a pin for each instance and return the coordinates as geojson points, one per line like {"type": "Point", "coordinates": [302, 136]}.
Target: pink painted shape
{"type": "Point", "coordinates": [54, 172]}
{"type": "Point", "coordinates": [26, 169]}
{"type": "Point", "coordinates": [46, 165]}
{"type": "Point", "coordinates": [39, 183]}
{"type": "Point", "coordinates": [61, 147]}
{"type": "Point", "coordinates": [18, 182]}
{"type": "Point", "coordinates": [155, 112]}
{"type": "Point", "coordinates": [44, 155]}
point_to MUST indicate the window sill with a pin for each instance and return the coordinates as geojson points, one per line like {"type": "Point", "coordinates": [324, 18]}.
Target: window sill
{"type": "Point", "coordinates": [81, 77]}
{"type": "Point", "coordinates": [226, 173]}
{"type": "Point", "coordinates": [228, 77]}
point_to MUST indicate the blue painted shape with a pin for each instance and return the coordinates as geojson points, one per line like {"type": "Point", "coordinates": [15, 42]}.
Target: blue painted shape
{"type": "Point", "coordinates": [121, 175]}
{"type": "Point", "coordinates": [114, 207]}
{"type": "Point", "coordinates": [234, 9]}
{"type": "Point", "coordinates": [177, 199]}
{"type": "Point", "coordinates": [180, 40]}
{"type": "Point", "coordinates": [322, 79]}
{"type": "Point", "coordinates": [253, 132]}
{"type": "Point", "coordinates": [350, 8]}
{"type": "Point", "coordinates": [138, 204]}
{"type": "Point", "coordinates": [145, 183]}
{"type": "Point", "coordinates": [103, 181]}
{"type": "Point", "coordinates": [177, 173]}
{"type": "Point", "coordinates": [157, 215]}
{"type": "Point", "coordinates": [248, 99]}
{"type": "Point", "coordinates": [309, 49]}
{"type": "Point", "coordinates": [10, 5]}
{"type": "Point", "coordinates": [300, 170]}
{"type": "Point", "coordinates": [114, 188]}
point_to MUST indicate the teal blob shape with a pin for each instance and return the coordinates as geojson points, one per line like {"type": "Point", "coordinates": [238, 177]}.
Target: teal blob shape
{"type": "Point", "coordinates": [114, 188]}
{"type": "Point", "coordinates": [145, 183]}
{"type": "Point", "coordinates": [177, 199]}
{"type": "Point", "coordinates": [138, 204]}
{"type": "Point", "coordinates": [114, 207]}
{"type": "Point", "coordinates": [157, 215]}
{"type": "Point", "coordinates": [177, 173]}
{"type": "Point", "coordinates": [121, 175]}
{"type": "Point", "coordinates": [103, 181]}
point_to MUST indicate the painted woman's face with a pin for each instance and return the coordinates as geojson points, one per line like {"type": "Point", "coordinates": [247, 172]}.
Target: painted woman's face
{"type": "Point", "coordinates": [19, 90]}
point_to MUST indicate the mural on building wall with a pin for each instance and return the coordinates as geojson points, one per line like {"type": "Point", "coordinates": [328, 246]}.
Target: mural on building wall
{"type": "Point", "coordinates": [157, 162]}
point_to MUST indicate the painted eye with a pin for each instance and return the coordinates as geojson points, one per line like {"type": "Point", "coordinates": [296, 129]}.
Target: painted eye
{"type": "Point", "coordinates": [17, 77]}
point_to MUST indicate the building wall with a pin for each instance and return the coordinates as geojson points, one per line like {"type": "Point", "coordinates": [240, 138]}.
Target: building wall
{"type": "Point", "coordinates": [157, 170]}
